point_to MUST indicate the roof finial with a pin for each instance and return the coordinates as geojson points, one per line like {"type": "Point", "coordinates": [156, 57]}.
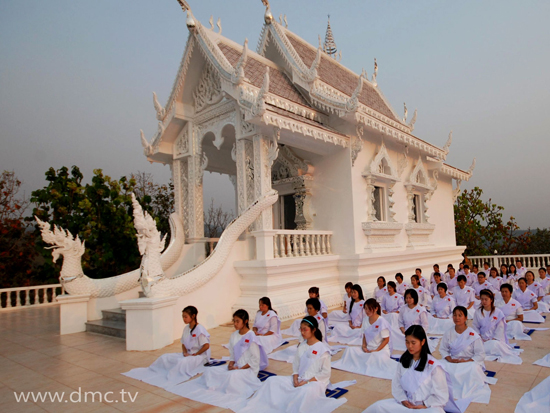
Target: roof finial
{"type": "Point", "coordinates": [330, 47]}
{"type": "Point", "coordinates": [268, 17]}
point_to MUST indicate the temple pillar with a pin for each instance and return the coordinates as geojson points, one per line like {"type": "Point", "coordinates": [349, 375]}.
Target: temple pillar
{"type": "Point", "coordinates": [194, 199]}
{"type": "Point", "coordinates": [264, 155]}
{"type": "Point", "coordinates": [244, 159]}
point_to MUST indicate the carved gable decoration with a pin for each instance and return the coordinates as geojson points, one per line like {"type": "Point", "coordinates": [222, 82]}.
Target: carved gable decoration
{"type": "Point", "coordinates": [288, 165]}
{"type": "Point", "coordinates": [382, 166]}
{"type": "Point", "coordinates": [209, 89]}
{"type": "Point", "coordinates": [419, 176]}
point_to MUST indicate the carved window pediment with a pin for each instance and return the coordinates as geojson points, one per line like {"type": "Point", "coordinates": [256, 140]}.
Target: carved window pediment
{"type": "Point", "coordinates": [209, 90]}
{"type": "Point", "coordinates": [419, 177]}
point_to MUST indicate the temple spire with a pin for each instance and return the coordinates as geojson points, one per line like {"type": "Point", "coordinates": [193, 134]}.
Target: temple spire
{"type": "Point", "coordinates": [330, 47]}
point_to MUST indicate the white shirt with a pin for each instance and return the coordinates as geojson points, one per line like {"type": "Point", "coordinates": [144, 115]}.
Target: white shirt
{"type": "Point", "coordinates": [443, 307]}
{"type": "Point", "coordinates": [526, 299]}
{"type": "Point", "coordinates": [347, 301]}
{"type": "Point", "coordinates": [401, 288]}
{"type": "Point", "coordinates": [392, 303]}
{"type": "Point", "coordinates": [424, 297]}
{"type": "Point", "coordinates": [377, 340]}
{"type": "Point", "coordinates": [463, 296]}
{"type": "Point", "coordinates": [201, 339]}
{"type": "Point", "coordinates": [496, 282]}
{"type": "Point", "coordinates": [512, 309]}
{"type": "Point", "coordinates": [485, 286]}
{"type": "Point", "coordinates": [537, 289]}
{"type": "Point", "coordinates": [379, 293]}
{"type": "Point", "coordinates": [320, 368]}
{"type": "Point", "coordinates": [498, 333]}
{"type": "Point", "coordinates": [451, 282]}
{"type": "Point", "coordinates": [474, 351]}
{"type": "Point", "coordinates": [521, 271]}
{"type": "Point", "coordinates": [410, 316]}
{"type": "Point", "coordinates": [470, 278]}
{"type": "Point", "coordinates": [251, 356]}
{"type": "Point", "coordinates": [271, 325]}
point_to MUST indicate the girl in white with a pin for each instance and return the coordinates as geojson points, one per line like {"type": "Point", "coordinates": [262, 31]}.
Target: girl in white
{"type": "Point", "coordinates": [435, 285]}
{"type": "Point", "coordinates": [490, 324]}
{"type": "Point", "coordinates": [464, 296]}
{"type": "Point", "coordinates": [373, 358]}
{"type": "Point", "coordinates": [229, 386]}
{"type": "Point", "coordinates": [494, 279]}
{"type": "Point", "coordinates": [381, 290]}
{"type": "Point", "coordinates": [420, 381]}
{"type": "Point", "coordinates": [538, 289]}
{"type": "Point", "coordinates": [401, 286]}
{"type": "Point", "coordinates": [304, 391]}
{"type": "Point", "coordinates": [267, 326]}
{"type": "Point", "coordinates": [513, 312]}
{"type": "Point", "coordinates": [423, 282]}
{"type": "Point", "coordinates": [544, 281]}
{"type": "Point", "coordinates": [424, 297]}
{"type": "Point", "coordinates": [351, 333]}
{"type": "Point", "coordinates": [412, 313]}
{"type": "Point", "coordinates": [442, 310]}
{"type": "Point", "coordinates": [436, 270]}
{"type": "Point", "coordinates": [463, 356]}
{"type": "Point", "coordinates": [174, 368]}
{"type": "Point", "coordinates": [294, 329]}
{"type": "Point", "coordinates": [528, 301]}
{"type": "Point", "coordinates": [339, 316]}
{"type": "Point", "coordinates": [391, 303]}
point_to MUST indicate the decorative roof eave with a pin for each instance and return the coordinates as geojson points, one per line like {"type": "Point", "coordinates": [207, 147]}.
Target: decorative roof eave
{"type": "Point", "coordinates": [282, 122]}
{"type": "Point", "coordinates": [456, 173]}
{"type": "Point", "coordinates": [373, 120]}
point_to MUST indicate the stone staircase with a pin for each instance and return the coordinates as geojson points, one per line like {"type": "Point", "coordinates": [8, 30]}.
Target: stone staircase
{"type": "Point", "coordinates": [112, 324]}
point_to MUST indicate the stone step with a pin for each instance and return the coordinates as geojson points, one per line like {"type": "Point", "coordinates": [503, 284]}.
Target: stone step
{"type": "Point", "coordinates": [116, 314]}
{"type": "Point", "coordinates": [107, 327]}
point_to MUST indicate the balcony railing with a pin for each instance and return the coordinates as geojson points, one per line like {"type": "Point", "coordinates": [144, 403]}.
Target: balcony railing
{"type": "Point", "coordinates": [530, 261]}
{"type": "Point", "coordinates": [33, 296]}
{"type": "Point", "coordinates": [292, 243]}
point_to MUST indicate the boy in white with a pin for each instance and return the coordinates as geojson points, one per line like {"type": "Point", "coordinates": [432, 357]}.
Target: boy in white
{"type": "Point", "coordinates": [482, 284]}
{"type": "Point", "coordinates": [464, 296]}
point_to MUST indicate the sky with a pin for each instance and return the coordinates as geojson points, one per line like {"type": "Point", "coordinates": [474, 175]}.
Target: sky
{"type": "Point", "coordinates": [76, 81]}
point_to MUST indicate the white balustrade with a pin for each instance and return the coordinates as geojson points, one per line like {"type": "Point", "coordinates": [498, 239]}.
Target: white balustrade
{"type": "Point", "coordinates": [530, 261]}
{"type": "Point", "coordinates": [33, 296]}
{"type": "Point", "coordinates": [292, 243]}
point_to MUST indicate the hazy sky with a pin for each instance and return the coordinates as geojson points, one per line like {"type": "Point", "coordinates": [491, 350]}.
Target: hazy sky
{"type": "Point", "coordinates": [76, 81]}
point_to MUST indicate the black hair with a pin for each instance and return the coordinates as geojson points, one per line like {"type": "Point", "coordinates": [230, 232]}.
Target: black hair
{"type": "Point", "coordinates": [461, 278]}
{"type": "Point", "coordinates": [312, 323]}
{"type": "Point", "coordinates": [520, 261]}
{"type": "Point", "coordinates": [416, 277]}
{"type": "Point", "coordinates": [436, 265]}
{"type": "Point", "coordinates": [481, 273]}
{"type": "Point", "coordinates": [349, 285]}
{"type": "Point", "coordinates": [507, 287]}
{"type": "Point", "coordinates": [493, 269]}
{"type": "Point", "coordinates": [315, 303]}
{"type": "Point", "coordinates": [412, 292]}
{"type": "Point", "coordinates": [522, 278]}
{"type": "Point", "coordinates": [529, 272]}
{"type": "Point", "coordinates": [461, 309]}
{"type": "Point", "coordinates": [398, 275]}
{"type": "Point", "coordinates": [314, 290]}
{"type": "Point", "coordinates": [407, 358]}
{"type": "Point", "coordinates": [267, 301]}
{"type": "Point", "coordinates": [437, 273]}
{"type": "Point", "coordinates": [487, 264]}
{"type": "Point", "coordinates": [442, 285]}
{"type": "Point", "coordinates": [392, 285]}
{"type": "Point", "coordinates": [419, 269]}
{"type": "Point", "coordinates": [489, 294]}
{"type": "Point", "coordinates": [192, 311]}
{"type": "Point", "coordinates": [475, 266]}
{"type": "Point", "coordinates": [357, 288]}
{"type": "Point", "coordinates": [542, 268]}
{"type": "Point", "coordinates": [373, 305]}
{"type": "Point", "coordinates": [466, 266]}
{"type": "Point", "coordinates": [243, 315]}
{"type": "Point", "coordinates": [383, 279]}
{"type": "Point", "coordinates": [449, 266]}
{"type": "Point", "coordinates": [515, 269]}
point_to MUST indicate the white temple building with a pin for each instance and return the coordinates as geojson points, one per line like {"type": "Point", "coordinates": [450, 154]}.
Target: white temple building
{"type": "Point", "coordinates": [359, 195]}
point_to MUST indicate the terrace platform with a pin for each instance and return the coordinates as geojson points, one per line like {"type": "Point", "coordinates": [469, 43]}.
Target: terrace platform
{"type": "Point", "coordinates": [34, 357]}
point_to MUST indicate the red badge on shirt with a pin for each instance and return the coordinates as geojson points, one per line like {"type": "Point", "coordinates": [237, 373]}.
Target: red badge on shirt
{"type": "Point", "coordinates": [430, 362]}
{"type": "Point", "coordinates": [375, 326]}
{"type": "Point", "coordinates": [494, 318]}
{"type": "Point", "coordinates": [247, 341]}
{"type": "Point", "coordinates": [448, 299]}
{"type": "Point", "coordinates": [417, 310]}
{"type": "Point", "coordinates": [268, 315]}
{"type": "Point", "coordinates": [194, 335]}
{"type": "Point", "coordinates": [513, 305]}
{"type": "Point", "coordinates": [360, 305]}
{"type": "Point", "coordinates": [471, 334]}
{"type": "Point", "coordinates": [313, 352]}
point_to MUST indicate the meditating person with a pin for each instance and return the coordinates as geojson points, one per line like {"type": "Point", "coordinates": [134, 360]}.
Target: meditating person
{"type": "Point", "coordinates": [380, 290]}
{"type": "Point", "coordinates": [481, 284]}
{"type": "Point", "coordinates": [401, 286]}
{"type": "Point", "coordinates": [313, 308]}
{"type": "Point", "coordinates": [267, 326]}
{"type": "Point", "coordinates": [521, 269]}
{"type": "Point", "coordinates": [464, 296]}
{"type": "Point", "coordinates": [490, 324]}
{"type": "Point", "coordinates": [424, 297]}
{"type": "Point", "coordinates": [229, 386]}
{"type": "Point", "coordinates": [513, 311]}
{"type": "Point", "coordinates": [423, 282]}
{"type": "Point", "coordinates": [412, 313]}
{"type": "Point", "coordinates": [503, 272]}
{"type": "Point", "coordinates": [436, 270]}
{"type": "Point", "coordinates": [351, 333]}
{"type": "Point", "coordinates": [470, 277]}
{"type": "Point", "coordinates": [460, 269]}
{"type": "Point", "coordinates": [174, 368]}
{"type": "Point", "coordinates": [544, 281]}
{"type": "Point", "coordinates": [486, 268]}
{"type": "Point", "coordinates": [463, 358]}
{"type": "Point", "coordinates": [495, 280]}
{"type": "Point", "coordinates": [420, 382]}
{"type": "Point", "coordinates": [537, 288]}
{"type": "Point", "coordinates": [373, 357]}
{"type": "Point", "coordinates": [341, 316]}
{"type": "Point", "coordinates": [528, 301]}
{"type": "Point", "coordinates": [435, 285]}
{"type": "Point", "coordinates": [391, 303]}
{"type": "Point", "coordinates": [513, 275]}
{"type": "Point", "coordinates": [304, 391]}
{"type": "Point", "coordinates": [451, 279]}
{"type": "Point", "coordinates": [441, 311]}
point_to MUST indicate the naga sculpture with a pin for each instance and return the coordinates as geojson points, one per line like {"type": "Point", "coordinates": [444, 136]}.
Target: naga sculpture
{"type": "Point", "coordinates": [72, 248]}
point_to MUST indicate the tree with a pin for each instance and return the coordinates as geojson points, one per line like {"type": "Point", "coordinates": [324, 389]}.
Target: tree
{"type": "Point", "coordinates": [17, 252]}
{"type": "Point", "coordinates": [100, 213]}
{"type": "Point", "coordinates": [215, 220]}
{"type": "Point", "coordinates": [479, 225]}
{"type": "Point", "coordinates": [540, 241]}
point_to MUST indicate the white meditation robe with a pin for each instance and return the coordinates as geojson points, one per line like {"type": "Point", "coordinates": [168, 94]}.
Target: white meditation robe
{"type": "Point", "coordinates": [424, 297]}
{"type": "Point", "coordinates": [401, 288]}
{"type": "Point", "coordinates": [527, 298]}
{"type": "Point", "coordinates": [471, 278]}
{"type": "Point", "coordinates": [343, 333]}
{"type": "Point", "coordinates": [538, 289]}
{"type": "Point", "coordinates": [226, 388]}
{"type": "Point", "coordinates": [485, 286]}
{"type": "Point", "coordinates": [514, 328]}
{"type": "Point", "coordinates": [536, 400]}
{"type": "Point", "coordinates": [496, 282]}
{"type": "Point", "coordinates": [339, 316]}
{"type": "Point", "coordinates": [416, 315]}
{"type": "Point", "coordinates": [377, 364]}
{"type": "Point", "coordinates": [443, 309]}
{"type": "Point", "coordinates": [451, 282]}
{"type": "Point", "coordinates": [433, 288]}
{"type": "Point", "coordinates": [278, 394]}
{"type": "Point", "coordinates": [423, 282]}
{"type": "Point", "coordinates": [173, 368]}
{"type": "Point", "coordinates": [379, 293]}
{"type": "Point", "coordinates": [468, 378]}
{"type": "Point", "coordinates": [269, 322]}
{"type": "Point", "coordinates": [492, 329]}
{"type": "Point", "coordinates": [521, 271]}
{"type": "Point", "coordinates": [429, 387]}
{"type": "Point", "coordinates": [392, 303]}
{"type": "Point", "coordinates": [294, 329]}
{"type": "Point", "coordinates": [463, 296]}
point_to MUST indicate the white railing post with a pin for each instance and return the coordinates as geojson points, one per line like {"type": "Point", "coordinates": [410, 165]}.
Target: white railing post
{"type": "Point", "coordinates": [301, 243]}
{"type": "Point", "coordinates": [26, 293]}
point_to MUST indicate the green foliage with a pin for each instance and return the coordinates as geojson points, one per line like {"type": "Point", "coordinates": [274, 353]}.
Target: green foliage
{"type": "Point", "coordinates": [479, 225]}
{"type": "Point", "coordinates": [100, 213]}
{"type": "Point", "coordinates": [17, 250]}
{"type": "Point", "coordinates": [540, 241]}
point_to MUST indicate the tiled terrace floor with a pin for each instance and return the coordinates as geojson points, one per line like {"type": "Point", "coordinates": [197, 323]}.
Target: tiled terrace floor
{"type": "Point", "coordinates": [34, 357]}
